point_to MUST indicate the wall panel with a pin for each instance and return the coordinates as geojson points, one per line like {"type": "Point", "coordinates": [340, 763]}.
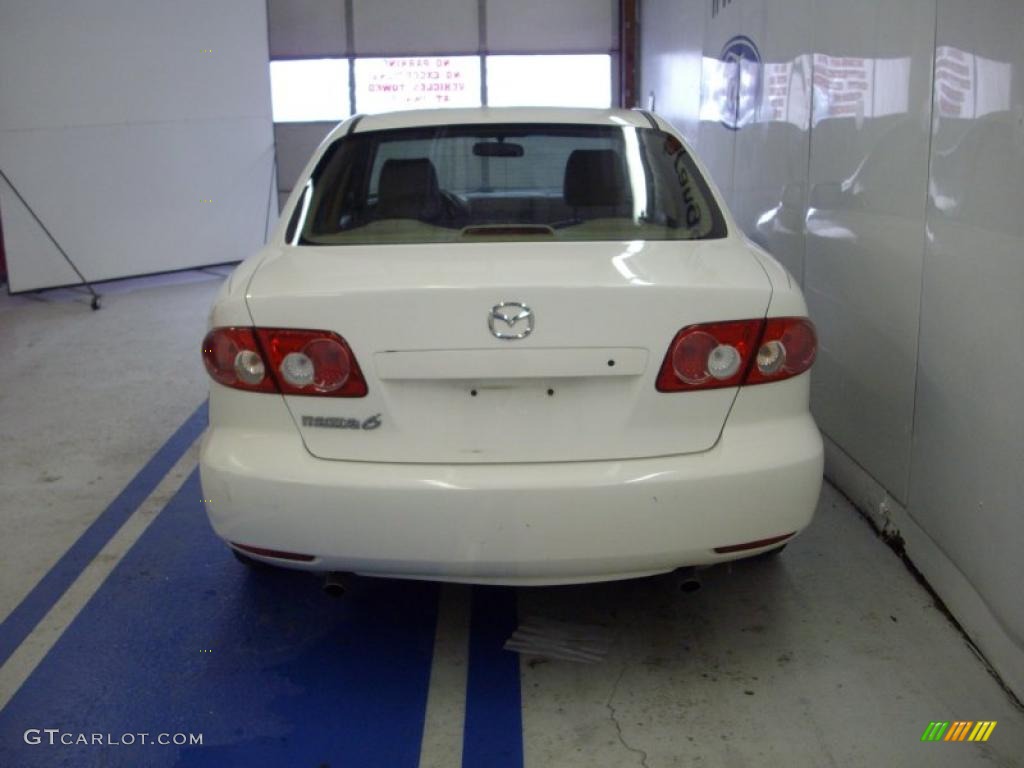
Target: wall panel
{"type": "Point", "coordinates": [120, 61]}
{"type": "Point", "coordinates": [670, 66]}
{"type": "Point", "coordinates": [552, 26]}
{"type": "Point", "coordinates": [397, 27]}
{"type": "Point", "coordinates": [904, 192]}
{"type": "Point", "coordinates": [306, 28]}
{"type": "Point", "coordinates": [132, 200]}
{"type": "Point", "coordinates": [295, 145]}
{"type": "Point", "coordinates": [867, 181]}
{"type": "Point", "coordinates": [967, 483]}
{"type": "Point", "coordinates": [719, 94]}
{"type": "Point", "coordinates": [771, 151]}
{"type": "Point", "coordinates": [165, 107]}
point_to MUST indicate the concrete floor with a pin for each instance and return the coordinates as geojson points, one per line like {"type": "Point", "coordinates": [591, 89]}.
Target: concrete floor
{"type": "Point", "coordinates": [831, 654]}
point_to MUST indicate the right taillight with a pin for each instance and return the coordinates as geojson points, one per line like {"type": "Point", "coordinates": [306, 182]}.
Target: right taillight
{"type": "Point", "coordinates": [788, 348]}
{"type": "Point", "coordinates": [286, 360]}
{"type": "Point", "coordinates": [737, 352]}
{"type": "Point", "coordinates": [709, 356]}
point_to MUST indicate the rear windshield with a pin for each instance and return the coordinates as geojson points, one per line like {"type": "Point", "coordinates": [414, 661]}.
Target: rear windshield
{"type": "Point", "coordinates": [505, 182]}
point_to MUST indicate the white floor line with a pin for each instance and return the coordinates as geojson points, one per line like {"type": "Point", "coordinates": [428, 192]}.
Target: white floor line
{"type": "Point", "coordinates": [446, 698]}
{"type": "Point", "coordinates": [34, 648]}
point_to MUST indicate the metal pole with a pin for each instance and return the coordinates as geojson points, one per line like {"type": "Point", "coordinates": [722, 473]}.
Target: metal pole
{"type": "Point", "coordinates": [95, 296]}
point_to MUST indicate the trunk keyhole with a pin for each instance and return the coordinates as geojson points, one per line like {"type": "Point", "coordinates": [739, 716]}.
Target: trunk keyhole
{"type": "Point", "coordinates": [611, 363]}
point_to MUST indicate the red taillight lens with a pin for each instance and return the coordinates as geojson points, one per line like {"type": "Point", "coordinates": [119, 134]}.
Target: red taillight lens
{"type": "Point", "coordinates": [709, 356]}
{"type": "Point", "coordinates": [715, 355]}
{"type": "Point", "coordinates": [312, 363]}
{"type": "Point", "coordinates": [232, 357]}
{"type": "Point", "coordinates": [788, 348]}
{"type": "Point", "coordinates": [293, 362]}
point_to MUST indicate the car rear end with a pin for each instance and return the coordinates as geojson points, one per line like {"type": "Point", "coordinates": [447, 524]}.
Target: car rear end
{"type": "Point", "coordinates": [511, 349]}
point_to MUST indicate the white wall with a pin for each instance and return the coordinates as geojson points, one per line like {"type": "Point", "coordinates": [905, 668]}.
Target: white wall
{"type": "Point", "coordinates": [307, 28]}
{"type": "Point", "coordinates": [295, 144]}
{"type": "Point", "coordinates": [116, 126]}
{"type": "Point", "coordinates": [865, 228]}
{"type": "Point", "coordinates": [670, 61]}
{"type": "Point", "coordinates": [397, 27]}
{"type": "Point", "coordinates": [552, 26]}
{"type": "Point", "coordinates": [967, 466]}
{"type": "Point", "coordinates": [897, 199]}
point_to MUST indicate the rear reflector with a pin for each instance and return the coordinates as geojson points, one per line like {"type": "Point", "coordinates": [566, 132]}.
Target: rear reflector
{"type": "Point", "coordinates": [274, 553]}
{"type": "Point", "coordinates": [285, 360]}
{"type": "Point", "coordinates": [754, 544]}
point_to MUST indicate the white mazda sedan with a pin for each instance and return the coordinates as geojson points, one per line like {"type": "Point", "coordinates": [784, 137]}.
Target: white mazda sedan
{"type": "Point", "coordinates": [508, 346]}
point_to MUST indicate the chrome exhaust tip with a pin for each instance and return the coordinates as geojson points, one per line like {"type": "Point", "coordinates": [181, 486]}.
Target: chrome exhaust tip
{"type": "Point", "coordinates": [335, 584]}
{"type": "Point", "coordinates": [687, 580]}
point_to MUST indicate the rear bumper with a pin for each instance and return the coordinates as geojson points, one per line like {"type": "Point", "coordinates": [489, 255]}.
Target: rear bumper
{"type": "Point", "coordinates": [514, 523]}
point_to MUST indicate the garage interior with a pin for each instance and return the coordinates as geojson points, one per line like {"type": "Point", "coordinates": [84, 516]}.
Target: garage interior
{"type": "Point", "coordinates": [876, 149]}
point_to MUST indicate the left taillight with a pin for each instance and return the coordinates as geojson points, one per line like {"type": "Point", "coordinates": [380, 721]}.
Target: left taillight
{"type": "Point", "coordinates": [286, 360]}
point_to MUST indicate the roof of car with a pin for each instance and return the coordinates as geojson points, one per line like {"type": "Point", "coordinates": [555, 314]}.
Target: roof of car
{"type": "Point", "coordinates": [485, 115]}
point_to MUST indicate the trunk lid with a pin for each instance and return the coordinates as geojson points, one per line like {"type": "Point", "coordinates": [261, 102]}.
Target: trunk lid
{"type": "Point", "coordinates": [444, 389]}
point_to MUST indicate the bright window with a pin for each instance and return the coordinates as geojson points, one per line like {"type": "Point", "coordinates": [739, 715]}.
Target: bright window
{"type": "Point", "coordinates": [305, 90]}
{"type": "Point", "coordinates": [417, 82]}
{"type": "Point", "coordinates": [549, 81]}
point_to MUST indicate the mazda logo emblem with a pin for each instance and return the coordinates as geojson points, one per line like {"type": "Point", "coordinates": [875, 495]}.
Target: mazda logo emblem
{"type": "Point", "coordinates": [510, 320]}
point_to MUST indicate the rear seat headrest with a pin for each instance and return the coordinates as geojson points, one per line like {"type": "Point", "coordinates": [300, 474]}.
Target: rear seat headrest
{"type": "Point", "coordinates": [595, 177]}
{"type": "Point", "coordinates": [408, 189]}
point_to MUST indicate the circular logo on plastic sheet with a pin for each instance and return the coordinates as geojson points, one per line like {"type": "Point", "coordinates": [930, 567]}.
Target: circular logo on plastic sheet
{"type": "Point", "coordinates": [742, 71]}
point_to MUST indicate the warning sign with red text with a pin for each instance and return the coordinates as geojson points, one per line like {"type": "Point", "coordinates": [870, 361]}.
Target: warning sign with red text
{"type": "Point", "coordinates": [417, 82]}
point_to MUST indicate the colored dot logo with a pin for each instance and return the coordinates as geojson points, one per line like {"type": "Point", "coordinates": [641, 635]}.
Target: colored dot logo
{"type": "Point", "coordinates": [742, 65]}
{"type": "Point", "coordinates": [959, 730]}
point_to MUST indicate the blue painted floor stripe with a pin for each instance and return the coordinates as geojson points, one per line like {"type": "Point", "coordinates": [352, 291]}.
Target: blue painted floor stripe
{"type": "Point", "coordinates": [37, 603]}
{"type": "Point", "coordinates": [181, 638]}
{"type": "Point", "coordinates": [493, 736]}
